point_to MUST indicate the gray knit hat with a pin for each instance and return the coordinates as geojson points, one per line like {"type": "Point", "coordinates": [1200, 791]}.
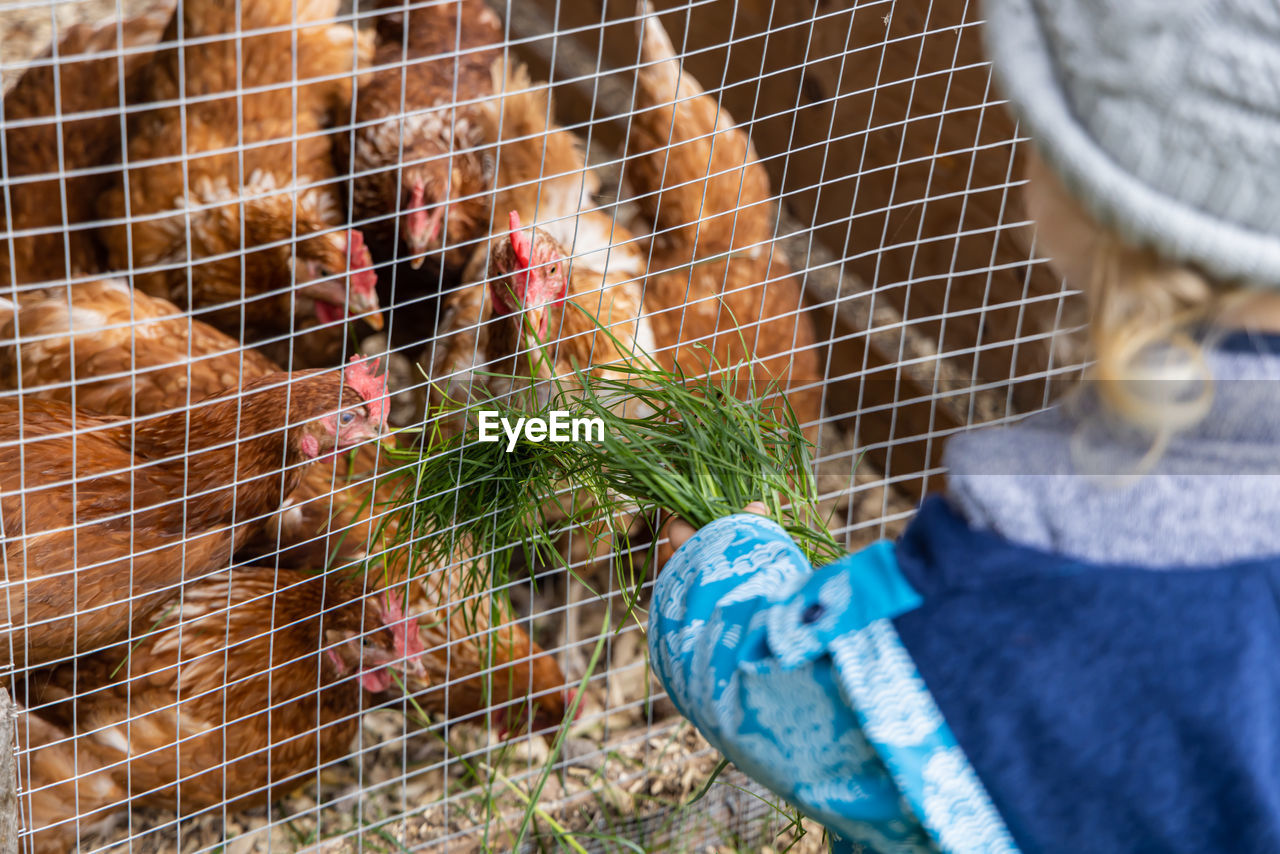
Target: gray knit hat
{"type": "Point", "coordinates": [1161, 116]}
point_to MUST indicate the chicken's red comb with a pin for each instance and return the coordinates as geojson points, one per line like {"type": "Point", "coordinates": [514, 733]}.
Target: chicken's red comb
{"type": "Point", "coordinates": [570, 695]}
{"type": "Point", "coordinates": [520, 242]}
{"type": "Point", "coordinates": [404, 629]}
{"type": "Point", "coordinates": [360, 262]}
{"type": "Point", "coordinates": [360, 375]}
{"type": "Point", "coordinates": [355, 244]}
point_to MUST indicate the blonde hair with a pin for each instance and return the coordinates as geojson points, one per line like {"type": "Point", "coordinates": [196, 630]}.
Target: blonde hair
{"type": "Point", "coordinates": [1147, 315]}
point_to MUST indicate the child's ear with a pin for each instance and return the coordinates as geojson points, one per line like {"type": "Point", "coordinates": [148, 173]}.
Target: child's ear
{"type": "Point", "coordinates": [1065, 233]}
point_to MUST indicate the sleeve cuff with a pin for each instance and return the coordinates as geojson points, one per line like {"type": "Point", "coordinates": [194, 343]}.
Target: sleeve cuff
{"type": "Point", "coordinates": [839, 598]}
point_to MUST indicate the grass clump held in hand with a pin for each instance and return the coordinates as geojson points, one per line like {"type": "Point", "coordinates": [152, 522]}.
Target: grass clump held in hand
{"type": "Point", "coordinates": [700, 447]}
{"type": "Point", "coordinates": [705, 448]}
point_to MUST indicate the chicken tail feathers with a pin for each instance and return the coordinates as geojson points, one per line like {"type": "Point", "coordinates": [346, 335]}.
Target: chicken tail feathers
{"type": "Point", "coordinates": [660, 74]}
{"type": "Point", "coordinates": [520, 108]}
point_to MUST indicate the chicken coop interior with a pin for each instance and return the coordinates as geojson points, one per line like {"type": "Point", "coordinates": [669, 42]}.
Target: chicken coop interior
{"type": "Point", "coordinates": [260, 256]}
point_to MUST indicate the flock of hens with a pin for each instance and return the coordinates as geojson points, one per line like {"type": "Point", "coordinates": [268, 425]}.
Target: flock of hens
{"type": "Point", "coordinates": [171, 495]}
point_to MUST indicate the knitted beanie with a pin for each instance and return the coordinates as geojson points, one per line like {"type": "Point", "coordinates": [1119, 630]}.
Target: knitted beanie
{"type": "Point", "coordinates": [1161, 116]}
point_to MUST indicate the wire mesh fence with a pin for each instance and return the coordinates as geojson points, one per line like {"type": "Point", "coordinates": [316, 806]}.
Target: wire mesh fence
{"type": "Point", "coordinates": [229, 624]}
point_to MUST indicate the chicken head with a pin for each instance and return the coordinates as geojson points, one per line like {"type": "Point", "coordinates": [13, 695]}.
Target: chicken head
{"type": "Point", "coordinates": [361, 418]}
{"type": "Point", "coordinates": [387, 639]}
{"type": "Point", "coordinates": [529, 275]}
{"type": "Point", "coordinates": [423, 218]}
{"type": "Point", "coordinates": [408, 645]}
{"type": "Point", "coordinates": [445, 200]}
{"type": "Point", "coordinates": [321, 263]}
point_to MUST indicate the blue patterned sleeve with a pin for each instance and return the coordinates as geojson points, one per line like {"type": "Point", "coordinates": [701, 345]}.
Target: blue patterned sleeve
{"type": "Point", "coordinates": [721, 645]}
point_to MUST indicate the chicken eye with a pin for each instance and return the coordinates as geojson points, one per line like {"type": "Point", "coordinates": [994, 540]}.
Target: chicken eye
{"type": "Point", "coordinates": [552, 271]}
{"type": "Point", "coordinates": [346, 417]}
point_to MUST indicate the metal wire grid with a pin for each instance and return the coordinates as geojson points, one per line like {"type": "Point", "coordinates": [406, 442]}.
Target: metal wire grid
{"type": "Point", "coordinates": [857, 310]}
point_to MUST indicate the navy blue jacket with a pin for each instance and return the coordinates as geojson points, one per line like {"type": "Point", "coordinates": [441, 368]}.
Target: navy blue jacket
{"type": "Point", "coordinates": [955, 691]}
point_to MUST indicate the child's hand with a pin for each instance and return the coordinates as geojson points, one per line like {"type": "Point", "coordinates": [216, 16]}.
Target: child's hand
{"type": "Point", "coordinates": [678, 531]}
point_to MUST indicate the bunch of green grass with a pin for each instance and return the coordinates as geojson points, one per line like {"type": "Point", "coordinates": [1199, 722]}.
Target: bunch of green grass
{"type": "Point", "coordinates": [456, 496]}
{"type": "Point", "coordinates": [704, 447]}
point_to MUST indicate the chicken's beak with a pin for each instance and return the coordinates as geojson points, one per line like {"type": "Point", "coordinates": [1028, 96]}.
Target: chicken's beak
{"type": "Point", "coordinates": [536, 318]}
{"type": "Point", "coordinates": [416, 678]}
{"type": "Point", "coordinates": [366, 303]}
{"type": "Point", "coordinates": [420, 232]}
{"type": "Point", "coordinates": [362, 435]}
{"type": "Point", "coordinates": [415, 669]}
{"type": "Point", "coordinates": [419, 256]}
{"type": "Point", "coordinates": [334, 293]}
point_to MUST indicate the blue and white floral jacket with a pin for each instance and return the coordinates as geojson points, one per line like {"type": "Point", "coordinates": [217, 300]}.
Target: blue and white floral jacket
{"type": "Point", "coordinates": [954, 691]}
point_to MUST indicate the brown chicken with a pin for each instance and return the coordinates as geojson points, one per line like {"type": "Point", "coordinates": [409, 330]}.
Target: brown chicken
{"type": "Point", "coordinates": [104, 519]}
{"type": "Point", "coordinates": [238, 183]}
{"type": "Point", "coordinates": [544, 319]}
{"type": "Point", "coordinates": [106, 348]}
{"type": "Point", "coordinates": [520, 298]}
{"type": "Point", "coordinates": [715, 278]}
{"type": "Point", "coordinates": [330, 518]}
{"type": "Point", "coordinates": [47, 134]}
{"type": "Point", "coordinates": [109, 349]}
{"type": "Point", "coordinates": [544, 182]}
{"type": "Point", "coordinates": [239, 697]}
{"type": "Point", "coordinates": [542, 174]}
{"type": "Point", "coordinates": [478, 663]}
{"type": "Point", "coordinates": [417, 141]}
